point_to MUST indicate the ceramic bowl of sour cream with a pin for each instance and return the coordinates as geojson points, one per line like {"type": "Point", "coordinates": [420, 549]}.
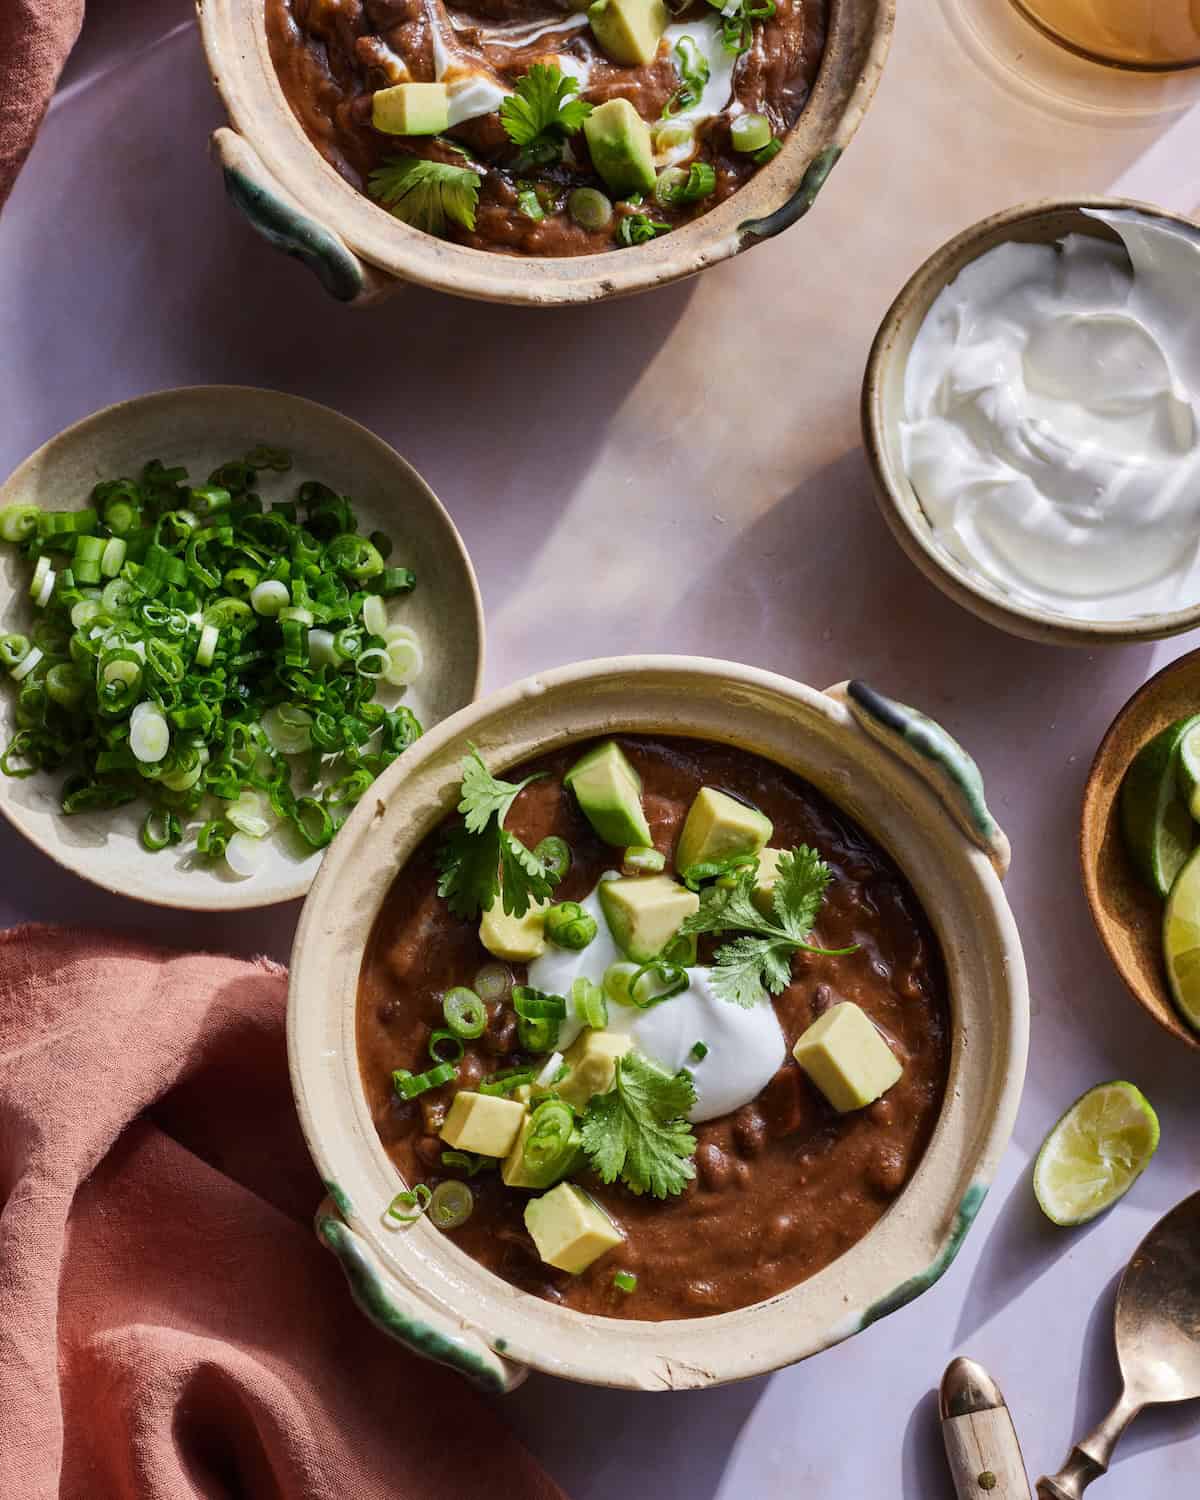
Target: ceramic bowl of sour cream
{"type": "Point", "coordinates": [1031, 412]}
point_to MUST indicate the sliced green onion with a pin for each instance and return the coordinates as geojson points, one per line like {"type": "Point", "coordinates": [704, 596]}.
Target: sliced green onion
{"type": "Point", "coordinates": [374, 662]}
{"type": "Point", "coordinates": [46, 591]}
{"type": "Point", "coordinates": [625, 1281]}
{"type": "Point", "coordinates": [465, 1012]}
{"type": "Point", "coordinates": [446, 1047]}
{"type": "Point", "coordinates": [65, 684]}
{"type": "Point", "coordinates": [590, 208]}
{"type": "Point", "coordinates": [640, 861]}
{"type": "Point", "coordinates": [552, 1143]}
{"type": "Point", "coordinates": [245, 855]}
{"type": "Point", "coordinates": [13, 650]}
{"type": "Point", "coordinates": [160, 829]}
{"type": "Point", "coordinates": [355, 556]}
{"type": "Point", "coordinates": [18, 522]}
{"type": "Point", "coordinates": [550, 1071]}
{"type": "Point", "coordinates": [206, 650]}
{"type": "Point", "coordinates": [451, 1204]}
{"type": "Point", "coordinates": [699, 1051]}
{"type": "Point", "coordinates": [507, 1082]}
{"type": "Point", "coordinates": [248, 815]}
{"type": "Point", "coordinates": [149, 735]}
{"type": "Point", "coordinates": [768, 152]}
{"type": "Point", "coordinates": [405, 663]}
{"type": "Point", "coordinates": [493, 982]}
{"type": "Point", "coordinates": [393, 581]}
{"type": "Point", "coordinates": [32, 658]}
{"type": "Point", "coordinates": [673, 978]}
{"type": "Point", "coordinates": [320, 648]}
{"type": "Point", "coordinates": [529, 205]}
{"type": "Point", "coordinates": [750, 132]}
{"type": "Point", "coordinates": [375, 615]}
{"type": "Point", "coordinates": [408, 1206]}
{"type": "Point", "coordinates": [269, 598]}
{"type": "Point", "coordinates": [537, 1005]}
{"type": "Point", "coordinates": [288, 728]}
{"type": "Point", "coordinates": [555, 854]}
{"type": "Point", "coordinates": [409, 1085]}
{"type": "Point", "coordinates": [312, 822]}
{"type": "Point", "coordinates": [588, 1003]}
{"type": "Point", "coordinates": [567, 925]}
{"type": "Point", "coordinates": [675, 186]}
{"type": "Point", "coordinates": [468, 1163]}
{"type": "Point", "coordinates": [618, 982]}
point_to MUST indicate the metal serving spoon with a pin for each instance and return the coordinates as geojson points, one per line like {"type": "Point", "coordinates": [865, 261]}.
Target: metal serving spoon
{"type": "Point", "coordinates": [1158, 1342]}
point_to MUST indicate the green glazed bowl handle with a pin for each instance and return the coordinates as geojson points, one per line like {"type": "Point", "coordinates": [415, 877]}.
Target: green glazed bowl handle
{"type": "Point", "coordinates": [405, 1318]}
{"type": "Point", "coordinates": [936, 757]}
{"type": "Point", "coordinates": [273, 213]}
{"type": "Point", "coordinates": [798, 204]}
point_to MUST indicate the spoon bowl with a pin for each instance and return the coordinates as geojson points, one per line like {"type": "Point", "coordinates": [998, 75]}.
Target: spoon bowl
{"type": "Point", "coordinates": [1158, 1342]}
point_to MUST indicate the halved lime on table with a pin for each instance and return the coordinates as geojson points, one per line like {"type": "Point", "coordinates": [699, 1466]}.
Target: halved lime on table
{"type": "Point", "coordinates": [1095, 1153]}
{"type": "Point", "coordinates": [1157, 821]}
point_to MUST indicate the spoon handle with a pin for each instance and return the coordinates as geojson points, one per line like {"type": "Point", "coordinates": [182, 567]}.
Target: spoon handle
{"type": "Point", "coordinates": [1091, 1456]}
{"type": "Point", "coordinates": [981, 1441]}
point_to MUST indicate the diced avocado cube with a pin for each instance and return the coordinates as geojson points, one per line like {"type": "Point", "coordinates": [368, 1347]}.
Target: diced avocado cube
{"type": "Point", "coordinates": [609, 793]}
{"type": "Point", "coordinates": [764, 884]}
{"type": "Point", "coordinates": [517, 939]}
{"type": "Point", "coordinates": [484, 1123]}
{"type": "Point", "coordinates": [619, 141]}
{"type": "Point", "coordinates": [644, 912]}
{"type": "Point", "coordinates": [847, 1058]}
{"type": "Point", "coordinates": [629, 30]}
{"type": "Point", "coordinates": [569, 1229]}
{"type": "Point", "coordinates": [719, 827]}
{"type": "Point", "coordinates": [592, 1059]}
{"type": "Point", "coordinates": [412, 109]}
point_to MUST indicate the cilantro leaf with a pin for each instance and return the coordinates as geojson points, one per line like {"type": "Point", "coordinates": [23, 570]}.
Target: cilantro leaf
{"type": "Point", "coordinates": [480, 859]}
{"type": "Point", "coordinates": [760, 963]}
{"type": "Point", "coordinates": [639, 1130]}
{"type": "Point", "coordinates": [800, 885]}
{"type": "Point", "coordinates": [541, 113]}
{"type": "Point", "coordinates": [426, 194]}
{"type": "Point", "coordinates": [484, 796]}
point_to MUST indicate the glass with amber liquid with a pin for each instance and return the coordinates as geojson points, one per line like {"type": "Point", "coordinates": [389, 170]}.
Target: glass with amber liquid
{"type": "Point", "coordinates": [1156, 34]}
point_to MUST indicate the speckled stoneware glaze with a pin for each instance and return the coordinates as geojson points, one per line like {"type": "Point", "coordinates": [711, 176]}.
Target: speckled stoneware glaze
{"type": "Point", "coordinates": [883, 410]}
{"type": "Point", "coordinates": [293, 197]}
{"type": "Point", "coordinates": [906, 781]}
{"type": "Point", "coordinates": [1128, 915]}
{"type": "Point", "coordinates": [200, 428]}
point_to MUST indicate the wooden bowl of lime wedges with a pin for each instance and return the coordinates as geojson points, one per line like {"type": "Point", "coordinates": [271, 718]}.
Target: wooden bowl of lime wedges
{"type": "Point", "coordinates": [1140, 846]}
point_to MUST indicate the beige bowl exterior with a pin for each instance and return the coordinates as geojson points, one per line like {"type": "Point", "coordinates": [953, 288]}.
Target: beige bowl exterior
{"type": "Point", "coordinates": [883, 410]}
{"type": "Point", "coordinates": [862, 751]}
{"type": "Point", "coordinates": [201, 427]}
{"type": "Point", "coordinates": [359, 251]}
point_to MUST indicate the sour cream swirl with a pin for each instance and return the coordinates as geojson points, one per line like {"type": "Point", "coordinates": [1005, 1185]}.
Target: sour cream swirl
{"type": "Point", "coordinates": [1052, 432]}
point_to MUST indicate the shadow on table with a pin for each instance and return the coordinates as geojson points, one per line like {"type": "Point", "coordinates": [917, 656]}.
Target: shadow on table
{"type": "Point", "coordinates": [923, 1456]}
{"type": "Point", "coordinates": [599, 1442]}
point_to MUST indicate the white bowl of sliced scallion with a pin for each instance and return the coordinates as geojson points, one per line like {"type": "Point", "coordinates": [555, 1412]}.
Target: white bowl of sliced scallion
{"type": "Point", "coordinates": [223, 612]}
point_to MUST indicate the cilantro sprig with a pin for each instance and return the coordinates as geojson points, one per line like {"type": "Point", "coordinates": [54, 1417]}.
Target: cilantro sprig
{"type": "Point", "coordinates": [426, 194]}
{"type": "Point", "coordinates": [639, 1131]}
{"type": "Point", "coordinates": [480, 859]}
{"type": "Point", "coordinates": [542, 112]}
{"type": "Point", "coordinates": [760, 961]}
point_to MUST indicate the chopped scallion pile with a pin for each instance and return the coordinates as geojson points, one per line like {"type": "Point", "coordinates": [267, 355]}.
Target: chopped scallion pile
{"type": "Point", "coordinates": [190, 640]}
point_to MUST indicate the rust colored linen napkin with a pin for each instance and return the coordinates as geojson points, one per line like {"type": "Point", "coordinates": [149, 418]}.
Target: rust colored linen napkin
{"type": "Point", "coordinates": [35, 39]}
{"type": "Point", "coordinates": [169, 1327]}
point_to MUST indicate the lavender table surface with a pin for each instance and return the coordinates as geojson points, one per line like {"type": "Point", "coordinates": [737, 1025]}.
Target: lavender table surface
{"type": "Point", "coordinates": [683, 473]}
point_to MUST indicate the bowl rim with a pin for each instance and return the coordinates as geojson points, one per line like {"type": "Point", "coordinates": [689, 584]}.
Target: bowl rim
{"type": "Point", "coordinates": [1091, 839]}
{"type": "Point", "coordinates": [894, 493]}
{"type": "Point", "coordinates": [242, 896]}
{"type": "Point", "coordinates": [857, 43]}
{"type": "Point", "coordinates": [985, 961]}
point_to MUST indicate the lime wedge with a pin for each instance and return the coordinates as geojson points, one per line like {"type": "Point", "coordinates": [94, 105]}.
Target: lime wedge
{"type": "Point", "coordinates": [1181, 941]}
{"type": "Point", "coordinates": [1189, 769]}
{"type": "Point", "coordinates": [1095, 1153]}
{"type": "Point", "coordinates": [1158, 826]}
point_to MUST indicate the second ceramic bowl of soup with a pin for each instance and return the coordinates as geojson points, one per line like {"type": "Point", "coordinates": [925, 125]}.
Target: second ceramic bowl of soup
{"type": "Point", "coordinates": [902, 780]}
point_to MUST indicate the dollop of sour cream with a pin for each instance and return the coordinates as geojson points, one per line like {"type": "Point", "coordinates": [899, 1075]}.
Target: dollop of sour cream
{"type": "Point", "coordinates": [746, 1047]}
{"type": "Point", "coordinates": [1052, 432]}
